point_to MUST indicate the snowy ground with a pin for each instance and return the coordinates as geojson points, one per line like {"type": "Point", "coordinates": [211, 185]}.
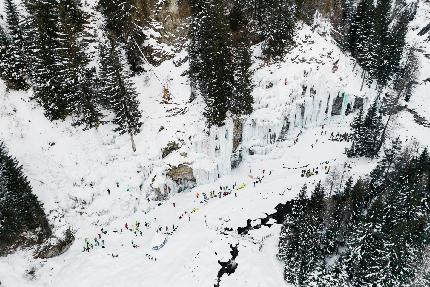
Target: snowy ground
{"type": "Point", "coordinates": [71, 170]}
{"type": "Point", "coordinates": [190, 256]}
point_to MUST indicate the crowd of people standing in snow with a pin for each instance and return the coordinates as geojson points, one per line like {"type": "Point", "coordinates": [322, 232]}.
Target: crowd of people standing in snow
{"type": "Point", "coordinates": [136, 227]}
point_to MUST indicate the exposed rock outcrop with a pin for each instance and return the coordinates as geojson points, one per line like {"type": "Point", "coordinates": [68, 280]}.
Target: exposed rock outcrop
{"type": "Point", "coordinates": [183, 176]}
{"type": "Point", "coordinates": [171, 147]}
{"type": "Point", "coordinates": [236, 156]}
{"type": "Point", "coordinates": [358, 103]}
{"type": "Point", "coordinates": [173, 16]}
{"type": "Point", "coordinates": [284, 130]}
{"type": "Point", "coordinates": [55, 246]}
{"type": "Point", "coordinates": [237, 133]}
{"type": "Point", "coordinates": [337, 106]}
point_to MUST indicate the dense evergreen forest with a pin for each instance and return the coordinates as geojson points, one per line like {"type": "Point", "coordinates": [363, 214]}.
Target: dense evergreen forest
{"type": "Point", "coordinates": [45, 45]}
{"type": "Point", "coordinates": [373, 231]}
{"type": "Point", "coordinates": [22, 219]}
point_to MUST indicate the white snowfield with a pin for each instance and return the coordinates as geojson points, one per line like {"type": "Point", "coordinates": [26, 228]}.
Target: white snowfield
{"type": "Point", "coordinates": [71, 171]}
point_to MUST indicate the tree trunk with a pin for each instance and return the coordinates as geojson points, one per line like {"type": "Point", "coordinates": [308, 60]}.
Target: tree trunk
{"type": "Point", "coordinates": [355, 64]}
{"type": "Point", "coordinates": [364, 79]}
{"type": "Point", "coordinates": [393, 107]}
{"type": "Point", "coordinates": [384, 131]}
{"type": "Point", "coordinates": [133, 144]}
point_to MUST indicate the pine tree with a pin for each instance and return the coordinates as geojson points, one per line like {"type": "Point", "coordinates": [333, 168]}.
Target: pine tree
{"type": "Point", "coordinates": [314, 221]}
{"type": "Point", "coordinates": [424, 160]}
{"type": "Point", "coordinates": [396, 42]}
{"type": "Point", "coordinates": [317, 198]}
{"type": "Point", "coordinates": [357, 136]}
{"type": "Point", "coordinates": [21, 214]}
{"type": "Point", "coordinates": [360, 17]}
{"type": "Point", "coordinates": [4, 43]}
{"type": "Point", "coordinates": [44, 44]}
{"type": "Point", "coordinates": [357, 203]}
{"type": "Point", "coordinates": [303, 194]}
{"type": "Point", "coordinates": [373, 127]}
{"type": "Point", "coordinates": [241, 100]}
{"type": "Point", "coordinates": [423, 167]}
{"type": "Point", "coordinates": [369, 246]}
{"type": "Point", "coordinates": [338, 275]}
{"type": "Point", "coordinates": [422, 278]}
{"type": "Point", "coordinates": [406, 77]}
{"type": "Point", "coordinates": [337, 219]}
{"type": "Point", "coordinates": [118, 91]}
{"type": "Point", "coordinates": [382, 68]}
{"type": "Point", "coordinates": [380, 174]}
{"type": "Point", "coordinates": [218, 65]}
{"type": "Point", "coordinates": [376, 40]}
{"type": "Point", "coordinates": [366, 47]}
{"type": "Point", "coordinates": [300, 239]}
{"type": "Point", "coordinates": [194, 48]}
{"type": "Point", "coordinates": [362, 36]}
{"type": "Point", "coordinates": [259, 8]}
{"type": "Point", "coordinates": [290, 244]}
{"type": "Point", "coordinates": [211, 59]}
{"type": "Point", "coordinates": [89, 101]}
{"type": "Point", "coordinates": [279, 28]}
{"type": "Point", "coordinates": [406, 217]}
{"type": "Point", "coordinates": [344, 211]}
{"type": "Point", "coordinates": [125, 20]}
{"type": "Point", "coordinates": [367, 133]}
{"type": "Point", "coordinates": [15, 68]}
{"type": "Point", "coordinates": [78, 84]}
{"type": "Point", "coordinates": [238, 18]}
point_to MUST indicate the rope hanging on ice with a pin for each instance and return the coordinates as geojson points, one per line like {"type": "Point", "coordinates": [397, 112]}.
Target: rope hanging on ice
{"type": "Point", "coordinates": [166, 92]}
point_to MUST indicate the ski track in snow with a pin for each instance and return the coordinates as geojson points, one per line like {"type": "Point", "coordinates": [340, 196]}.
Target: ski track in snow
{"type": "Point", "coordinates": [71, 176]}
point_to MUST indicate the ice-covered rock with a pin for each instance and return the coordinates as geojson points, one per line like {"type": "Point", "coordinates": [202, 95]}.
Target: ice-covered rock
{"type": "Point", "coordinates": [183, 176]}
{"type": "Point", "coordinates": [171, 147]}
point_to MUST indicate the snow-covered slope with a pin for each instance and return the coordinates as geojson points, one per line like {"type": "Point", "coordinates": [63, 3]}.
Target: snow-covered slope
{"type": "Point", "coordinates": [420, 100]}
{"type": "Point", "coordinates": [298, 104]}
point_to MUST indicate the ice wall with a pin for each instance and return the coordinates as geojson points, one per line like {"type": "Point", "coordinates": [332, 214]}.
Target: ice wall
{"type": "Point", "coordinates": [303, 103]}
{"type": "Point", "coordinates": [315, 84]}
{"type": "Point", "coordinates": [212, 153]}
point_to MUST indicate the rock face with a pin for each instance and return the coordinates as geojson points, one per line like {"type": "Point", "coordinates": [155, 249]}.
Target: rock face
{"type": "Point", "coordinates": [173, 15]}
{"type": "Point", "coordinates": [284, 130]}
{"type": "Point", "coordinates": [55, 246]}
{"type": "Point", "coordinates": [236, 156]}
{"type": "Point", "coordinates": [358, 103]}
{"type": "Point", "coordinates": [348, 109]}
{"type": "Point", "coordinates": [183, 176]}
{"type": "Point", "coordinates": [159, 196]}
{"type": "Point", "coordinates": [237, 133]}
{"type": "Point", "coordinates": [337, 106]}
{"type": "Point", "coordinates": [171, 147]}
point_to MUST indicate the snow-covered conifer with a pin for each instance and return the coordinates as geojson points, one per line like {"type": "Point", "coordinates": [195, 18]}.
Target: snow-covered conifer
{"type": "Point", "coordinates": [279, 28]}
{"type": "Point", "coordinates": [119, 93]}
{"type": "Point", "coordinates": [20, 210]}
{"type": "Point", "coordinates": [15, 66]}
